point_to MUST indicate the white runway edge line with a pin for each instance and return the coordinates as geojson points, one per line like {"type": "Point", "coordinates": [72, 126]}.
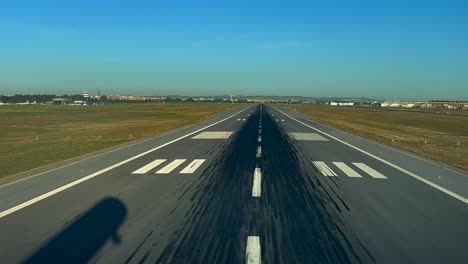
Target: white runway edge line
{"type": "Point", "coordinates": [438, 187]}
{"type": "Point", "coordinates": [253, 254]}
{"type": "Point", "coordinates": [69, 185]}
{"type": "Point", "coordinates": [257, 183]}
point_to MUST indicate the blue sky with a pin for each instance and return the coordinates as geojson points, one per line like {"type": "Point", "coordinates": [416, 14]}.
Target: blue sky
{"type": "Point", "coordinates": [384, 49]}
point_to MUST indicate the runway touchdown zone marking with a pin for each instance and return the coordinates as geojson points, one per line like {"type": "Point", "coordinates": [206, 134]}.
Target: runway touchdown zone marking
{"type": "Point", "coordinates": [193, 166]}
{"type": "Point", "coordinates": [347, 170]}
{"type": "Point", "coordinates": [149, 166]}
{"type": "Point", "coordinates": [213, 135]}
{"type": "Point", "coordinates": [189, 169]}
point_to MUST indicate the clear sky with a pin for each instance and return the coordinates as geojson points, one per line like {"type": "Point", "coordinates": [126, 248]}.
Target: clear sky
{"type": "Point", "coordinates": [384, 49]}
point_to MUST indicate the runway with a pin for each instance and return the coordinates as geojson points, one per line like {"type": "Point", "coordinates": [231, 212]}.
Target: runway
{"type": "Point", "coordinates": [261, 184]}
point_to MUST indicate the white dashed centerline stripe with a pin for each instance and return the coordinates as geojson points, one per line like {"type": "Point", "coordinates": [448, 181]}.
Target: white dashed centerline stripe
{"type": "Point", "coordinates": [257, 183]}
{"type": "Point", "coordinates": [171, 166]}
{"type": "Point", "coordinates": [369, 170]}
{"type": "Point", "coordinates": [323, 168]}
{"type": "Point", "coordinates": [193, 166]}
{"type": "Point", "coordinates": [347, 170]}
{"type": "Point", "coordinates": [253, 254]}
{"type": "Point", "coordinates": [259, 139]}
{"type": "Point", "coordinates": [93, 175]}
{"type": "Point", "coordinates": [149, 166]}
{"type": "Point", "coordinates": [259, 152]}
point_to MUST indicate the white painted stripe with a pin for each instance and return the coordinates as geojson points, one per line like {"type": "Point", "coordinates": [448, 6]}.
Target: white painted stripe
{"type": "Point", "coordinates": [149, 166]}
{"type": "Point", "coordinates": [282, 120]}
{"type": "Point", "coordinates": [259, 152]}
{"type": "Point", "coordinates": [243, 119]}
{"type": "Point", "coordinates": [260, 131]}
{"type": "Point", "coordinates": [90, 176]}
{"type": "Point", "coordinates": [347, 170]}
{"type": "Point", "coordinates": [414, 175]}
{"type": "Point", "coordinates": [171, 166]}
{"type": "Point", "coordinates": [259, 139]}
{"type": "Point", "coordinates": [323, 168]}
{"type": "Point", "coordinates": [257, 183]}
{"type": "Point", "coordinates": [193, 166]}
{"type": "Point", "coordinates": [369, 170]}
{"type": "Point", "coordinates": [213, 135]}
{"type": "Point", "coordinates": [238, 119]}
{"type": "Point", "coordinates": [277, 120]}
{"type": "Point", "coordinates": [253, 254]}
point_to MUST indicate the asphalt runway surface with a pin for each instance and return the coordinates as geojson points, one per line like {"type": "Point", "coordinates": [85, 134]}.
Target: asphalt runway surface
{"type": "Point", "coordinates": [254, 185]}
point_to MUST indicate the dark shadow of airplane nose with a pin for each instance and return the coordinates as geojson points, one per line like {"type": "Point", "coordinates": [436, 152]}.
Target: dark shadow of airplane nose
{"type": "Point", "coordinates": [83, 238]}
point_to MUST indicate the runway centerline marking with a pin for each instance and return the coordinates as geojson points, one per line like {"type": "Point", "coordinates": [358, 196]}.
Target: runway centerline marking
{"type": "Point", "coordinates": [259, 152]}
{"type": "Point", "coordinates": [259, 139]}
{"type": "Point", "coordinates": [93, 175]}
{"type": "Point", "coordinates": [414, 175]}
{"type": "Point", "coordinates": [171, 166]}
{"type": "Point", "coordinates": [347, 170]}
{"type": "Point", "coordinates": [253, 253]}
{"type": "Point", "coordinates": [149, 166]}
{"type": "Point", "coordinates": [193, 166]}
{"type": "Point", "coordinates": [257, 183]}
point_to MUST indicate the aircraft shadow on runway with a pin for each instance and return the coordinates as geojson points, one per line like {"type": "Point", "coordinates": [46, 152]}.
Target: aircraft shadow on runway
{"type": "Point", "coordinates": [83, 238]}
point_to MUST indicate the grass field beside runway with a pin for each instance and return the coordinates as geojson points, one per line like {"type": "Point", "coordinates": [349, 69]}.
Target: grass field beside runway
{"type": "Point", "coordinates": [36, 135]}
{"type": "Point", "coordinates": [430, 133]}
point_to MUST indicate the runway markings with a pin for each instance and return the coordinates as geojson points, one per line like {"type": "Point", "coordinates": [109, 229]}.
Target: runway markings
{"type": "Point", "coordinates": [324, 169]}
{"type": "Point", "coordinates": [213, 135]}
{"type": "Point", "coordinates": [307, 136]}
{"type": "Point", "coordinates": [149, 166]}
{"type": "Point", "coordinates": [171, 166]}
{"type": "Point", "coordinates": [253, 253]}
{"type": "Point", "coordinates": [347, 170]}
{"type": "Point", "coordinates": [257, 183]}
{"type": "Point", "coordinates": [259, 139]}
{"type": "Point", "coordinates": [189, 169]}
{"type": "Point", "coordinates": [259, 152]}
{"type": "Point", "coordinates": [390, 164]}
{"type": "Point", "coordinates": [193, 166]}
{"type": "Point", "coordinates": [369, 170]}
{"type": "Point", "coordinates": [97, 173]}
